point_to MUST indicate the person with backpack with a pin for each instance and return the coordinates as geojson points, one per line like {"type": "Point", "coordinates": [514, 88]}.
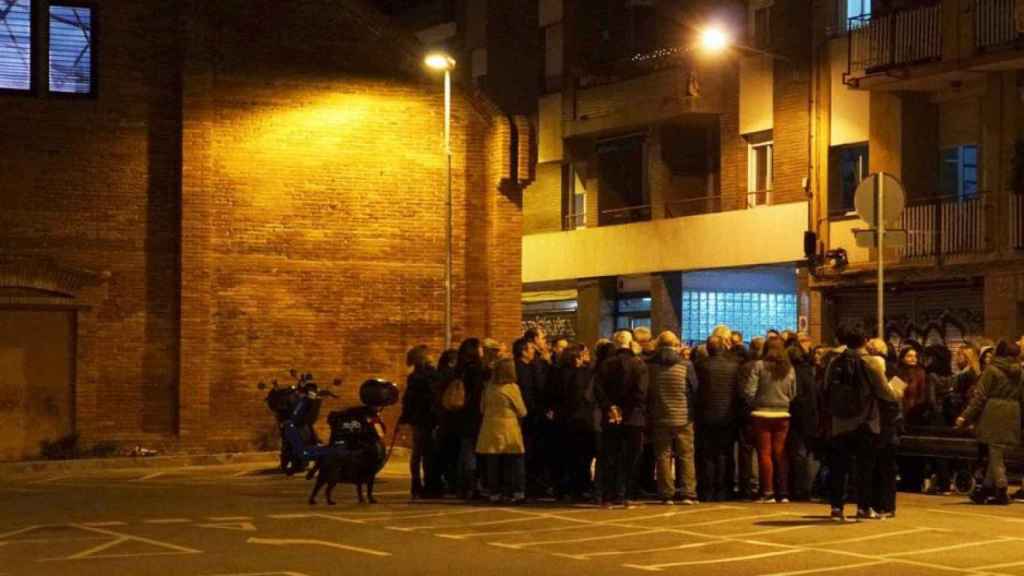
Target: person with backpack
{"type": "Point", "coordinates": [995, 411]}
{"type": "Point", "coordinates": [853, 390]}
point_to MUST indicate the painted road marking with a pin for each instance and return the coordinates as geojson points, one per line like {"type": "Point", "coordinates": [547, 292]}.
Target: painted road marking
{"type": "Point", "coordinates": [579, 523]}
{"type": "Point", "coordinates": [520, 545]}
{"type": "Point", "coordinates": [261, 574]}
{"type": "Point", "coordinates": [103, 524]}
{"type": "Point", "coordinates": [830, 569]}
{"type": "Point", "coordinates": [167, 521]}
{"type": "Point", "coordinates": [6, 535]}
{"type": "Point", "coordinates": [739, 518]}
{"type": "Point", "coordinates": [149, 476]}
{"type": "Point", "coordinates": [302, 541]}
{"type": "Point", "coordinates": [870, 537]}
{"type": "Point", "coordinates": [228, 518]}
{"type": "Point", "coordinates": [769, 531]}
{"type": "Point", "coordinates": [591, 555]}
{"type": "Point", "coordinates": [994, 566]}
{"type": "Point", "coordinates": [50, 479]}
{"type": "Point", "coordinates": [529, 518]}
{"type": "Point", "coordinates": [951, 547]}
{"type": "Point", "coordinates": [659, 567]}
{"type": "Point", "coordinates": [119, 538]}
{"type": "Point", "coordinates": [977, 515]}
{"type": "Point", "coordinates": [240, 526]}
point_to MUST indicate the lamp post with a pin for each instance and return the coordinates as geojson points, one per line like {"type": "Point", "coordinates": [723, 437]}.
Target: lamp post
{"type": "Point", "coordinates": [445, 63]}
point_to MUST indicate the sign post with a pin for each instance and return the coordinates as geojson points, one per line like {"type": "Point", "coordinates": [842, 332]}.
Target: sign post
{"type": "Point", "coordinates": [880, 200]}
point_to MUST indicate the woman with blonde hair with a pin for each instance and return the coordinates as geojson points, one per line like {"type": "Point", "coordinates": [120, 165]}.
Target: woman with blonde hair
{"type": "Point", "coordinates": [501, 438]}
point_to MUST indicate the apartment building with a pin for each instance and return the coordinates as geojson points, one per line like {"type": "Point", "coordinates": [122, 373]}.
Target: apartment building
{"type": "Point", "coordinates": [928, 91]}
{"type": "Point", "coordinates": [672, 184]}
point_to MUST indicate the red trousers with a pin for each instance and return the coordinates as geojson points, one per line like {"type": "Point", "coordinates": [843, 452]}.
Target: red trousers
{"type": "Point", "coordinates": [772, 462]}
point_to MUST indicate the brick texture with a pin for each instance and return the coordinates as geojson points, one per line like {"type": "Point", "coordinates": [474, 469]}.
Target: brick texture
{"type": "Point", "coordinates": [266, 188]}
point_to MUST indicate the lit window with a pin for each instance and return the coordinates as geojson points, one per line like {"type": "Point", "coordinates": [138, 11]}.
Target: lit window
{"type": "Point", "coordinates": [752, 313]}
{"type": "Point", "coordinates": [71, 43]}
{"type": "Point", "coordinates": [633, 311]}
{"type": "Point", "coordinates": [958, 172]}
{"type": "Point", "coordinates": [15, 44]}
{"type": "Point", "coordinates": [759, 169]}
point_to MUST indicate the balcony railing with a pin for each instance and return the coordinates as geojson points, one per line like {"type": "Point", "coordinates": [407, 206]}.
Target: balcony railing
{"type": "Point", "coordinates": [902, 38]}
{"type": "Point", "coordinates": [996, 23]}
{"type": "Point", "coordinates": [944, 226]}
{"type": "Point", "coordinates": [625, 215]}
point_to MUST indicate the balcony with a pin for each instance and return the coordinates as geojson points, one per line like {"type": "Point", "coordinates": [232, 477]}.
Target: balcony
{"type": "Point", "coordinates": [937, 229]}
{"type": "Point", "coordinates": [767, 235]}
{"type": "Point", "coordinates": [878, 44]}
{"type": "Point", "coordinates": [995, 24]}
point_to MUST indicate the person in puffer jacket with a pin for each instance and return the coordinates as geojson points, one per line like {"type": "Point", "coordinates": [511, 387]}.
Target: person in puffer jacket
{"type": "Point", "coordinates": [673, 386]}
{"type": "Point", "coordinates": [995, 410]}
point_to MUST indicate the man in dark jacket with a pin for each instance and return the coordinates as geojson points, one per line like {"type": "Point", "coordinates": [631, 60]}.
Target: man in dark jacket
{"type": "Point", "coordinates": [672, 386]}
{"type": "Point", "coordinates": [717, 401]}
{"type": "Point", "coordinates": [621, 389]}
{"type": "Point", "coordinates": [803, 419]}
{"type": "Point", "coordinates": [418, 413]}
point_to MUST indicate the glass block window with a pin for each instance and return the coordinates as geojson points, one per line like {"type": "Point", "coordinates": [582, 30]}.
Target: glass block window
{"type": "Point", "coordinates": [752, 313]}
{"type": "Point", "coordinates": [71, 43]}
{"type": "Point", "coordinates": [15, 44]}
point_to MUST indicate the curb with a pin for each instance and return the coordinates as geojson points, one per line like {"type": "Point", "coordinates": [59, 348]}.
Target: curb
{"type": "Point", "coordinates": [124, 463]}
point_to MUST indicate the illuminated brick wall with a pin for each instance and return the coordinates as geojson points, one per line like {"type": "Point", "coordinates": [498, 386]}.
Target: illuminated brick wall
{"type": "Point", "coordinates": [266, 188]}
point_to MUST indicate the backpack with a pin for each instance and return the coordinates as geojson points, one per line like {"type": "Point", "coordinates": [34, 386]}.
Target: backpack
{"type": "Point", "coordinates": [454, 397]}
{"type": "Point", "coordinates": [848, 387]}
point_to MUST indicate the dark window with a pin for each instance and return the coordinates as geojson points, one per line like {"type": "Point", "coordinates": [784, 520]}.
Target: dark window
{"type": "Point", "coordinates": [71, 54]}
{"type": "Point", "coordinates": [621, 181]}
{"type": "Point", "coordinates": [848, 165]}
{"type": "Point", "coordinates": [763, 27]}
{"type": "Point", "coordinates": [958, 172]}
{"type": "Point", "coordinates": [15, 44]}
{"type": "Point", "coordinates": [574, 200]}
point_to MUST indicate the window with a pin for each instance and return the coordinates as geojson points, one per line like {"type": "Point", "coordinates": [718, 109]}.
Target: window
{"type": "Point", "coordinates": [71, 55]}
{"type": "Point", "coordinates": [848, 165]}
{"type": "Point", "coordinates": [859, 10]}
{"type": "Point", "coordinates": [759, 169]}
{"type": "Point", "coordinates": [958, 172]}
{"type": "Point", "coordinates": [622, 180]}
{"type": "Point", "coordinates": [762, 33]}
{"type": "Point", "coordinates": [752, 313]}
{"type": "Point", "coordinates": [15, 44]}
{"type": "Point", "coordinates": [574, 199]}
{"type": "Point", "coordinates": [632, 311]}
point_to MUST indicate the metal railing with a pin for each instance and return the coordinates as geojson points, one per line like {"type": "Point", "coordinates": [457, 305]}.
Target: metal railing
{"type": "Point", "coordinates": [716, 203]}
{"type": "Point", "coordinates": [1016, 221]}
{"type": "Point", "coordinates": [944, 226]}
{"type": "Point", "coordinates": [995, 23]}
{"type": "Point", "coordinates": [573, 221]}
{"type": "Point", "coordinates": [625, 215]}
{"type": "Point", "coordinates": [897, 39]}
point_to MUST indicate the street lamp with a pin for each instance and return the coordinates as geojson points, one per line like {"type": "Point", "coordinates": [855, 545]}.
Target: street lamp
{"type": "Point", "coordinates": [714, 40]}
{"type": "Point", "coordinates": [444, 62]}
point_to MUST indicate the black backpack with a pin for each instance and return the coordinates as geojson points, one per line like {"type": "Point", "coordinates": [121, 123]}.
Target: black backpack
{"type": "Point", "coordinates": [848, 389]}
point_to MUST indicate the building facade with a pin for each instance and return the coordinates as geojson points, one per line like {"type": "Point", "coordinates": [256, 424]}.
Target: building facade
{"type": "Point", "coordinates": [672, 184]}
{"type": "Point", "coordinates": [199, 196]}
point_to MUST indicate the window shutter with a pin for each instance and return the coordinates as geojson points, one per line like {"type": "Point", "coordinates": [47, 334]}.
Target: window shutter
{"type": "Point", "coordinates": [15, 44]}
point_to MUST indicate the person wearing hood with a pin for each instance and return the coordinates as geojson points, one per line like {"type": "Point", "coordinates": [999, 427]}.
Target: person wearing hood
{"type": "Point", "coordinates": [995, 412]}
{"type": "Point", "coordinates": [673, 385]}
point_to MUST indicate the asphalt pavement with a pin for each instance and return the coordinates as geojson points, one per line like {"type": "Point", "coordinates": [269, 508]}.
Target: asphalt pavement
{"type": "Point", "coordinates": [247, 520]}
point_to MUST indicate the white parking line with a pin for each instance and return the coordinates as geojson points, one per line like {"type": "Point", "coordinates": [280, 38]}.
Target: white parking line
{"type": "Point", "coordinates": [769, 531]}
{"type": "Point", "coordinates": [590, 555]}
{"type": "Point", "coordinates": [289, 542]}
{"type": "Point", "coordinates": [228, 518]}
{"type": "Point", "coordinates": [977, 515]}
{"type": "Point", "coordinates": [149, 476]}
{"type": "Point", "coordinates": [951, 547]}
{"type": "Point", "coordinates": [531, 518]}
{"type": "Point", "coordinates": [6, 535]}
{"type": "Point", "coordinates": [878, 536]}
{"type": "Point", "coordinates": [103, 524]}
{"type": "Point", "coordinates": [167, 521]}
{"type": "Point", "coordinates": [829, 569]}
{"type": "Point", "coordinates": [737, 519]}
{"type": "Point", "coordinates": [659, 567]}
{"type": "Point", "coordinates": [994, 566]}
{"type": "Point", "coordinates": [520, 545]}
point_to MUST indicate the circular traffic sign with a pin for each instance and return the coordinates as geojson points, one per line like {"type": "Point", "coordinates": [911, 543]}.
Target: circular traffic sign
{"type": "Point", "coordinates": [867, 194]}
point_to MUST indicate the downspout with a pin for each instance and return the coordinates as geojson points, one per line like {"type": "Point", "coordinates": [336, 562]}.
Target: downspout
{"type": "Point", "coordinates": [513, 149]}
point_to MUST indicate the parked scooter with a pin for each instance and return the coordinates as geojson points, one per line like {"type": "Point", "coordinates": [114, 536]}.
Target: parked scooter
{"type": "Point", "coordinates": [296, 408]}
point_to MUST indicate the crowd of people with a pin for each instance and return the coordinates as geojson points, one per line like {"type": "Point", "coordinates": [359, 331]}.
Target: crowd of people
{"type": "Point", "coordinates": [772, 419]}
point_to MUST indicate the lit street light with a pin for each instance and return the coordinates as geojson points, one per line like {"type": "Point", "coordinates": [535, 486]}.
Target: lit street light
{"type": "Point", "coordinates": [714, 40]}
{"type": "Point", "coordinates": [441, 61]}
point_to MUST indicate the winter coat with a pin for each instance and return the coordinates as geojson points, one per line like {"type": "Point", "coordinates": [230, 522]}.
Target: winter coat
{"type": "Point", "coordinates": [995, 404]}
{"type": "Point", "coordinates": [418, 399]}
{"type": "Point", "coordinates": [804, 408]}
{"type": "Point", "coordinates": [502, 407]}
{"type": "Point", "coordinates": [672, 385]}
{"type": "Point", "coordinates": [719, 389]}
{"type": "Point", "coordinates": [878, 389]}
{"type": "Point", "coordinates": [622, 381]}
{"type": "Point", "coordinates": [581, 410]}
{"type": "Point", "coordinates": [766, 393]}
{"type": "Point", "coordinates": [468, 419]}
{"type": "Point", "coordinates": [916, 403]}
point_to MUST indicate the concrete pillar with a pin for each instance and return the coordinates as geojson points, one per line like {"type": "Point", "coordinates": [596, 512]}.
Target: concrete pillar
{"type": "Point", "coordinates": [666, 302]}
{"type": "Point", "coordinates": [595, 312]}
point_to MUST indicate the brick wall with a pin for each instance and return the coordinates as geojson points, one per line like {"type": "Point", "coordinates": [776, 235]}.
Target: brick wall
{"type": "Point", "coordinates": [266, 188]}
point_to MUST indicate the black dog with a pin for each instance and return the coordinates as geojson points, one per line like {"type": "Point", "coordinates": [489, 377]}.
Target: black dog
{"type": "Point", "coordinates": [357, 455]}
